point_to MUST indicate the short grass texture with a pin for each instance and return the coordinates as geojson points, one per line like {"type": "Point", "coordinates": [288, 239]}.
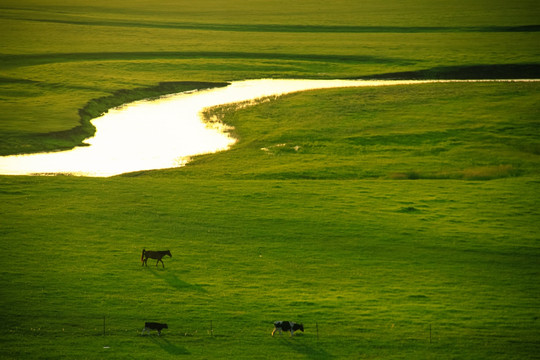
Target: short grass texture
{"type": "Point", "coordinates": [56, 56]}
{"type": "Point", "coordinates": [375, 266]}
{"type": "Point", "coordinates": [395, 223]}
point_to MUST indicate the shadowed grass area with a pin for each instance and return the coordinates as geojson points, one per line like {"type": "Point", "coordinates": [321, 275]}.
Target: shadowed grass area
{"type": "Point", "coordinates": [288, 28]}
{"type": "Point", "coordinates": [499, 71]}
{"type": "Point", "coordinates": [8, 61]}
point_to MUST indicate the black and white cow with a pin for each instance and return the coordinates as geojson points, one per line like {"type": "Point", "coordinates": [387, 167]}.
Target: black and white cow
{"type": "Point", "coordinates": [287, 326]}
{"type": "Point", "coordinates": [154, 326]}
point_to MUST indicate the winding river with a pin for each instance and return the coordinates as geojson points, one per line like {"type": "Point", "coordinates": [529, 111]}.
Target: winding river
{"type": "Point", "coordinates": [163, 133]}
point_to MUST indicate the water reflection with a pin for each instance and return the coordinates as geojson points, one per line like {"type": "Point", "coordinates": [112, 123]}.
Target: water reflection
{"type": "Point", "coordinates": [161, 133]}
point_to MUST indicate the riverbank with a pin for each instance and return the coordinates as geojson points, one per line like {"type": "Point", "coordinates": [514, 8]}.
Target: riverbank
{"type": "Point", "coordinates": [13, 143]}
{"type": "Point", "coordinates": [68, 139]}
{"type": "Point", "coordinates": [169, 131]}
{"type": "Point", "coordinates": [456, 130]}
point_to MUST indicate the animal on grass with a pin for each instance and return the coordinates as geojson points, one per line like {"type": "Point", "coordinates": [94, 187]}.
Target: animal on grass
{"type": "Point", "coordinates": [148, 326]}
{"type": "Point", "coordinates": [158, 255]}
{"type": "Point", "coordinates": [287, 326]}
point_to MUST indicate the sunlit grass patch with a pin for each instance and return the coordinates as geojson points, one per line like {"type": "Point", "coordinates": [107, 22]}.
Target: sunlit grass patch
{"type": "Point", "coordinates": [437, 131]}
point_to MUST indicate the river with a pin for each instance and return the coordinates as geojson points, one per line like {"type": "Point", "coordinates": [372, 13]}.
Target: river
{"type": "Point", "coordinates": [162, 133]}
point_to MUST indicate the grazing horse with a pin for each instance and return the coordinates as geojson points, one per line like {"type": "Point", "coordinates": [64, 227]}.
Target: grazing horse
{"type": "Point", "coordinates": [154, 255]}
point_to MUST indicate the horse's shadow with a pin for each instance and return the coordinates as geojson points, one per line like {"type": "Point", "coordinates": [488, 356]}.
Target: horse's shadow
{"type": "Point", "coordinates": [175, 282]}
{"type": "Point", "coordinates": [168, 346]}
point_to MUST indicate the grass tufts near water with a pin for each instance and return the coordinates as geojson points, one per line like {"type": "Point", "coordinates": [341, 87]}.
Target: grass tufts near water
{"type": "Point", "coordinates": [467, 131]}
{"type": "Point", "coordinates": [67, 139]}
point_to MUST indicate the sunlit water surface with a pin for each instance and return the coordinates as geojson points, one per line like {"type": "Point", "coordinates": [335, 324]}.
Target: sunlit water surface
{"type": "Point", "coordinates": [161, 133]}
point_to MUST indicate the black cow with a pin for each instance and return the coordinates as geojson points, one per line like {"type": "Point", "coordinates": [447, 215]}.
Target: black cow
{"type": "Point", "coordinates": [154, 326]}
{"type": "Point", "coordinates": [287, 326]}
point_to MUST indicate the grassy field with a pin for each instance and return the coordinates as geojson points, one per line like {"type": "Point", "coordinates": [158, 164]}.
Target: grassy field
{"type": "Point", "coordinates": [334, 234]}
{"type": "Point", "coordinates": [395, 223]}
{"type": "Point", "coordinates": [56, 57]}
{"type": "Point", "coordinates": [437, 131]}
{"type": "Point", "coordinates": [373, 264]}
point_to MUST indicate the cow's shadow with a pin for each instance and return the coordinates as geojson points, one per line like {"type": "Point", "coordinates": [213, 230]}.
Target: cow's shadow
{"type": "Point", "coordinates": [175, 282]}
{"type": "Point", "coordinates": [311, 352]}
{"type": "Point", "coordinates": [168, 346]}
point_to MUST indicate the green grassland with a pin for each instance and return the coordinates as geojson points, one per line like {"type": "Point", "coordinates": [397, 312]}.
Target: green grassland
{"type": "Point", "coordinates": [56, 57]}
{"type": "Point", "coordinates": [472, 131]}
{"type": "Point", "coordinates": [334, 234]}
{"type": "Point", "coordinates": [396, 222]}
{"type": "Point", "coordinates": [373, 263]}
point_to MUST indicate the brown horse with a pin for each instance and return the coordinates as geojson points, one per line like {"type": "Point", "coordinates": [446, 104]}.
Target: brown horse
{"type": "Point", "coordinates": [154, 255]}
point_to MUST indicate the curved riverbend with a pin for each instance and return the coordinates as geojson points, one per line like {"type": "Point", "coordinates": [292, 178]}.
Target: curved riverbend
{"type": "Point", "coordinates": [165, 133]}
